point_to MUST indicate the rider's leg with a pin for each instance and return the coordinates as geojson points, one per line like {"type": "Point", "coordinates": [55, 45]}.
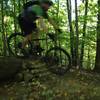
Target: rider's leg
{"type": "Point", "coordinates": [37, 45]}
{"type": "Point", "coordinates": [27, 28]}
{"type": "Point", "coordinates": [26, 40]}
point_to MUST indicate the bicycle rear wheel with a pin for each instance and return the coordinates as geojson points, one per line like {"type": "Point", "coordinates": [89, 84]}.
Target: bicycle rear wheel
{"type": "Point", "coordinates": [13, 41]}
{"type": "Point", "coordinates": [58, 60]}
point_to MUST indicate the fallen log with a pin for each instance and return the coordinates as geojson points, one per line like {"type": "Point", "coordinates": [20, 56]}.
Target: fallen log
{"type": "Point", "coordinates": [9, 66]}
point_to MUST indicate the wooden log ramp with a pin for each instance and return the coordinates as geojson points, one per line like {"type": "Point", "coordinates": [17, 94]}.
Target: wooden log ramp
{"type": "Point", "coordinates": [10, 66]}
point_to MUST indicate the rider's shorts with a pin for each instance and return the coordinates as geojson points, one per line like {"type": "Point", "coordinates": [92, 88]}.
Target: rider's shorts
{"type": "Point", "coordinates": [27, 27]}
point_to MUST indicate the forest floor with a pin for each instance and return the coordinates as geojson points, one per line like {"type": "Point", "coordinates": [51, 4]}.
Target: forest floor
{"type": "Point", "coordinates": [74, 85]}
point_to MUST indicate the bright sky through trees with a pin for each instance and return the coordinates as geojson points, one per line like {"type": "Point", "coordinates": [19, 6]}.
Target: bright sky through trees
{"type": "Point", "coordinates": [73, 6]}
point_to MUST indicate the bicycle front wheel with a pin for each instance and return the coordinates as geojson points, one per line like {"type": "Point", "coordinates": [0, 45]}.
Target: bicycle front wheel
{"type": "Point", "coordinates": [58, 60]}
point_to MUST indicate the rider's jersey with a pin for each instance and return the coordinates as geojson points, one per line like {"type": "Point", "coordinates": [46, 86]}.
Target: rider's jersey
{"type": "Point", "coordinates": [34, 12]}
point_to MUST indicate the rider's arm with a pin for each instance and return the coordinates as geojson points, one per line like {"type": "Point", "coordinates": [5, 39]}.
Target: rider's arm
{"type": "Point", "coordinates": [53, 23]}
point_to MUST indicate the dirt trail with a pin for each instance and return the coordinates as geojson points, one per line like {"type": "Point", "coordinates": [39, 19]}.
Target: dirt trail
{"type": "Point", "coordinates": [41, 84]}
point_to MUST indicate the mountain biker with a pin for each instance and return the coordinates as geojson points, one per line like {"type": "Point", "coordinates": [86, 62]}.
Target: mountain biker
{"type": "Point", "coordinates": [27, 20]}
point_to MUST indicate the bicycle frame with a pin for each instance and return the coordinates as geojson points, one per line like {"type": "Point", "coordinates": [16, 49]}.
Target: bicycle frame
{"type": "Point", "coordinates": [49, 36]}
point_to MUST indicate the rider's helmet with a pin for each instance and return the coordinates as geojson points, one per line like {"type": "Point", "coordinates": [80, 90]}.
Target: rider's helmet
{"type": "Point", "coordinates": [49, 2]}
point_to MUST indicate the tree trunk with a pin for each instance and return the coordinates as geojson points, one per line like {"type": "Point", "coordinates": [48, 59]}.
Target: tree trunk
{"type": "Point", "coordinates": [97, 63]}
{"type": "Point", "coordinates": [14, 15]}
{"type": "Point", "coordinates": [84, 33]}
{"type": "Point", "coordinates": [88, 60]}
{"type": "Point", "coordinates": [3, 32]}
{"type": "Point", "coordinates": [71, 30]}
{"type": "Point", "coordinates": [77, 36]}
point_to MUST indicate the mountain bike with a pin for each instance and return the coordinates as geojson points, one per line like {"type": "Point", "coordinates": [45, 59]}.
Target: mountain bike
{"type": "Point", "coordinates": [57, 59]}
